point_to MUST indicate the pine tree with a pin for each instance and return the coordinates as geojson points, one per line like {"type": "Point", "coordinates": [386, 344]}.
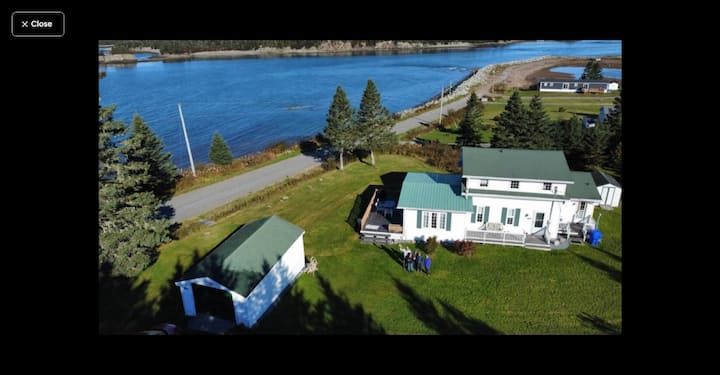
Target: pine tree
{"type": "Point", "coordinates": [146, 149]}
{"type": "Point", "coordinates": [340, 129]}
{"type": "Point", "coordinates": [613, 122]}
{"type": "Point", "coordinates": [539, 127]}
{"type": "Point", "coordinates": [132, 224]}
{"type": "Point", "coordinates": [570, 137]}
{"type": "Point", "coordinates": [593, 71]}
{"type": "Point", "coordinates": [511, 124]}
{"type": "Point", "coordinates": [219, 151]}
{"type": "Point", "coordinates": [471, 125]}
{"type": "Point", "coordinates": [374, 123]}
{"type": "Point", "coordinates": [594, 143]}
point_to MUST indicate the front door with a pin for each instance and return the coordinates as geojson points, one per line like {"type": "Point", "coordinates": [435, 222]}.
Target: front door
{"type": "Point", "coordinates": [580, 214]}
{"type": "Point", "coordinates": [539, 220]}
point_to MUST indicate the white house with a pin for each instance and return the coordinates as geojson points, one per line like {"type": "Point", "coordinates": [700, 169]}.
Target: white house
{"type": "Point", "coordinates": [572, 85]}
{"type": "Point", "coordinates": [243, 276]}
{"type": "Point", "coordinates": [514, 197]}
{"type": "Point", "coordinates": [609, 189]}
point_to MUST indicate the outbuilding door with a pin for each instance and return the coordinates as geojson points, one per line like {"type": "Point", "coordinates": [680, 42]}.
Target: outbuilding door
{"type": "Point", "coordinates": [607, 195]}
{"type": "Point", "coordinates": [215, 302]}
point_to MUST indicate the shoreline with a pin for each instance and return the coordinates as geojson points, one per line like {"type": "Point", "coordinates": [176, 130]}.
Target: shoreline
{"type": "Point", "coordinates": [338, 50]}
{"type": "Point", "coordinates": [484, 75]}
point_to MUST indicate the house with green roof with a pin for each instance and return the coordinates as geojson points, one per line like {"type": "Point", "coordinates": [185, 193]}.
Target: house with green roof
{"type": "Point", "coordinates": [237, 281]}
{"type": "Point", "coordinates": [506, 196]}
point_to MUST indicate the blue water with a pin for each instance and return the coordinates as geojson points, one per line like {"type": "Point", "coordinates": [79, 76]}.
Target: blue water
{"type": "Point", "coordinates": [256, 102]}
{"type": "Point", "coordinates": [578, 70]}
{"type": "Point", "coordinates": [144, 55]}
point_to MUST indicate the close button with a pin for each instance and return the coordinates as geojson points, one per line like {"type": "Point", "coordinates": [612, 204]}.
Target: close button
{"type": "Point", "coordinates": [38, 24]}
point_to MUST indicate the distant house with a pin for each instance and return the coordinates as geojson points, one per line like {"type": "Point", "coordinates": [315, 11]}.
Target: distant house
{"type": "Point", "coordinates": [243, 276]}
{"type": "Point", "coordinates": [609, 189]}
{"type": "Point", "coordinates": [563, 85]}
{"type": "Point", "coordinates": [504, 196]}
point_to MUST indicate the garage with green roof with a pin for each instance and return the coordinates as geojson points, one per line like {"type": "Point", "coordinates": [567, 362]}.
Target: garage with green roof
{"type": "Point", "coordinates": [243, 275]}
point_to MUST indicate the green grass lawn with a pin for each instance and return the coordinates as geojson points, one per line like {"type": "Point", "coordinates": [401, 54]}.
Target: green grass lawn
{"type": "Point", "coordinates": [361, 288]}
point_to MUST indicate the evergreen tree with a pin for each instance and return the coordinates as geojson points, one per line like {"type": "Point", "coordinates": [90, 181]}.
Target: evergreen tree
{"type": "Point", "coordinates": [511, 124]}
{"type": "Point", "coordinates": [613, 125]}
{"type": "Point", "coordinates": [146, 149]}
{"type": "Point", "coordinates": [374, 123]}
{"type": "Point", "coordinates": [539, 136]}
{"type": "Point", "coordinates": [594, 143]}
{"type": "Point", "coordinates": [219, 151]}
{"type": "Point", "coordinates": [471, 125]}
{"type": "Point", "coordinates": [569, 138]}
{"type": "Point", "coordinates": [141, 180]}
{"type": "Point", "coordinates": [593, 71]}
{"type": "Point", "coordinates": [340, 129]}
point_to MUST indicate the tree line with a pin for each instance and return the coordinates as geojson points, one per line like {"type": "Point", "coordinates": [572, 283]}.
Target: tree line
{"type": "Point", "coordinates": [530, 128]}
{"type": "Point", "coordinates": [368, 129]}
{"type": "Point", "coordinates": [189, 46]}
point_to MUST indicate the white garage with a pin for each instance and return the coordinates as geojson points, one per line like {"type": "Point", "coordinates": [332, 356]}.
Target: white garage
{"type": "Point", "coordinates": [609, 189]}
{"type": "Point", "coordinates": [243, 276]}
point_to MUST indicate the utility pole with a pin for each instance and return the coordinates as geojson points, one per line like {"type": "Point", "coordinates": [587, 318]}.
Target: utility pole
{"type": "Point", "coordinates": [187, 142]}
{"type": "Point", "coordinates": [442, 91]}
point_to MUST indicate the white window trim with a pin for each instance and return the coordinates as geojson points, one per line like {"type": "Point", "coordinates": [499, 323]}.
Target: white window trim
{"type": "Point", "coordinates": [440, 219]}
{"type": "Point", "coordinates": [484, 182]}
{"type": "Point", "coordinates": [510, 219]}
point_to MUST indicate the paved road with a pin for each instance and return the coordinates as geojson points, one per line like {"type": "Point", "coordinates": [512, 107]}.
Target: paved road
{"type": "Point", "coordinates": [202, 200]}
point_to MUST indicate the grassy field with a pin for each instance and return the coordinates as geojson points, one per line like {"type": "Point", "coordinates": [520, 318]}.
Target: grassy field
{"type": "Point", "coordinates": [362, 288]}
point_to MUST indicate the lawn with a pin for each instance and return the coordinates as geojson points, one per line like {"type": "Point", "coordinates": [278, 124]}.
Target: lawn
{"type": "Point", "coordinates": [361, 288]}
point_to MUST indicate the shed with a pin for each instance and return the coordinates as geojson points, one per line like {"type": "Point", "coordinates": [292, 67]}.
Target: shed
{"type": "Point", "coordinates": [609, 189]}
{"type": "Point", "coordinates": [244, 275]}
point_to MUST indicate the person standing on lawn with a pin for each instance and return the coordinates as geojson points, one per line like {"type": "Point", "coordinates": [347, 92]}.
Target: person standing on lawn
{"type": "Point", "coordinates": [427, 264]}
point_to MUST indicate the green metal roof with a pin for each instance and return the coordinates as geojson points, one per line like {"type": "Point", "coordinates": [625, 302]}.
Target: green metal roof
{"type": "Point", "coordinates": [518, 194]}
{"type": "Point", "coordinates": [247, 255]}
{"type": "Point", "coordinates": [433, 191]}
{"type": "Point", "coordinates": [602, 178]}
{"type": "Point", "coordinates": [542, 165]}
{"type": "Point", "coordinates": [583, 188]}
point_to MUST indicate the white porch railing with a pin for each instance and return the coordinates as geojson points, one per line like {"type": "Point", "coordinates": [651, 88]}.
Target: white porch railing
{"type": "Point", "coordinates": [491, 236]}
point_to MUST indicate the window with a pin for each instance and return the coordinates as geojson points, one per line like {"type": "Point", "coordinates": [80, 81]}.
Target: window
{"type": "Point", "coordinates": [547, 186]}
{"type": "Point", "coordinates": [484, 183]}
{"type": "Point", "coordinates": [480, 213]}
{"type": "Point", "coordinates": [514, 184]}
{"type": "Point", "coordinates": [434, 220]}
{"type": "Point", "coordinates": [510, 216]}
{"type": "Point", "coordinates": [565, 85]}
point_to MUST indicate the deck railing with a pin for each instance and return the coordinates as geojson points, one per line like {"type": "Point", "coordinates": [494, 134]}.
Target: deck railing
{"type": "Point", "coordinates": [368, 209]}
{"type": "Point", "coordinates": [490, 236]}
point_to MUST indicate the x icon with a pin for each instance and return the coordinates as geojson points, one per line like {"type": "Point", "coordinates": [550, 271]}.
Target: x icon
{"type": "Point", "coordinates": [24, 23]}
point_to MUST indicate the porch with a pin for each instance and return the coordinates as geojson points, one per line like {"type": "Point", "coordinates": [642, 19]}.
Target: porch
{"type": "Point", "coordinates": [382, 222]}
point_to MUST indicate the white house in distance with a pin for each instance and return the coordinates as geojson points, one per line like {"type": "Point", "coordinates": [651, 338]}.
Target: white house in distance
{"type": "Point", "coordinates": [609, 189]}
{"type": "Point", "coordinates": [515, 197]}
{"type": "Point", "coordinates": [574, 85]}
{"type": "Point", "coordinates": [243, 276]}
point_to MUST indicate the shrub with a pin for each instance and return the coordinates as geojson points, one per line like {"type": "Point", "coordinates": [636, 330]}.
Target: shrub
{"type": "Point", "coordinates": [499, 87]}
{"type": "Point", "coordinates": [561, 109]}
{"type": "Point", "coordinates": [465, 248]}
{"type": "Point", "coordinates": [431, 244]}
{"type": "Point", "coordinates": [329, 164]}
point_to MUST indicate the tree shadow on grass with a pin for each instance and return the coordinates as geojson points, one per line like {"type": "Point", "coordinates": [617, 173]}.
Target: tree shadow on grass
{"type": "Point", "coordinates": [599, 324]}
{"type": "Point", "coordinates": [124, 307]}
{"type": "Point", "coordinates": [395, 255]}
{"type": "Point", "coordinates": [449, 321]}
{"type": "Point", "coordinates": [611, 272]}
{"type": "Point", "coordinates": [611, 255]}
{"type": "Point", "coordinates": [334, 314]}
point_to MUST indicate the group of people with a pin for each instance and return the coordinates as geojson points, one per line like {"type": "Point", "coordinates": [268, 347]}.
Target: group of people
{"type": "Point", "coordinates": [415, 261]}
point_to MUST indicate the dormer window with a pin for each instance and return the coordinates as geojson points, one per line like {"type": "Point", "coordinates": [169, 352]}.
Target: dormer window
{"type": "Point", "coordinates": [514, 184]}
{"type": "Point", "coordinates": [484, 183]}
{"type": "Point", "coordinates": [547, 186]}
